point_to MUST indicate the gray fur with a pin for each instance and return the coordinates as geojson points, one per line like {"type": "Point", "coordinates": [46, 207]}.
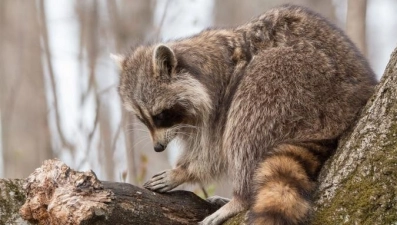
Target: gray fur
{"type": "Point", "coordinates": [287, 76]}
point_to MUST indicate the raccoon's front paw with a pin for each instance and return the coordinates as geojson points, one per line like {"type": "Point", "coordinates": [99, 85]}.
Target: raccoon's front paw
{"type": "Point", "coordinates": [217, 200]}
{"type": "Point", "coordinates": [161, 182]}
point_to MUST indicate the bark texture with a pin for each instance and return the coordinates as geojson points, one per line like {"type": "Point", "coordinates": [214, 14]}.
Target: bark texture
{"type": "Point", "coordinates": [358, 185]}
{"type": "Point", "coordinates": [12, 198]}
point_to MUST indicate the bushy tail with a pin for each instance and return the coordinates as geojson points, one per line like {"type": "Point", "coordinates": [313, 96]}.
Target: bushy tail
{"type": "Point", "coordinates": [284, 183]}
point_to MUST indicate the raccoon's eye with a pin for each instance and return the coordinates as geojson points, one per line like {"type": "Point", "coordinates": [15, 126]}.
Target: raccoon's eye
{"type": "Point", "coordinates": [158, 118]}
{"type": "Point", "coordinates": [168, 117]}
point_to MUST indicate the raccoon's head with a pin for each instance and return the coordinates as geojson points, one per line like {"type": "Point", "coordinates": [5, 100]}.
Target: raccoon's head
{"type": "Point", "coordinates": [163, 95]}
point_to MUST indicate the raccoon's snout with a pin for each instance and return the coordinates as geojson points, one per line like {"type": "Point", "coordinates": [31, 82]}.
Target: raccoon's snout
{"type": "Point", "coordinates": [159, 147]}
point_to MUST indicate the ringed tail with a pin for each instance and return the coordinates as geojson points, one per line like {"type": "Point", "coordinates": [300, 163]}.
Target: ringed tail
{"type": "Point", "coordinates": [284, 183]}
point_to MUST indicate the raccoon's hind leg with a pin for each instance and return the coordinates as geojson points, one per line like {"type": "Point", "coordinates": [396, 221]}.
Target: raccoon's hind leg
{"type": "Point", "coordinates": [283, 184]}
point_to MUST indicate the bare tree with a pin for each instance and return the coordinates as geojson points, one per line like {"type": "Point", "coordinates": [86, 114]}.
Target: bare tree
{"type": "Point", "coordinates": [23, 104]}
{"type": "Point", "coordinates": [355, 23]}
{"type": "Point", "coordinates": [52, 80]}
{"type": "Point", "coordinates": [89, 18]}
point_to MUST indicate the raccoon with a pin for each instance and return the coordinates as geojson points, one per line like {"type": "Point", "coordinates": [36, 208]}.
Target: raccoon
{"type": "Point", "coordinates": [263, 103]}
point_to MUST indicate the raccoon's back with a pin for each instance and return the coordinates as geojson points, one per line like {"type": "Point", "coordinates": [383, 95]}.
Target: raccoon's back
{"type": "Point", "coordinates": [305, 72]}
{"type": "Point", "coordinates": [291, 25]}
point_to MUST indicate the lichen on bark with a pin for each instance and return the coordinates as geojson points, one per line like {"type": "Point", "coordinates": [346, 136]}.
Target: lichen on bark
{"type": "Point", "coordinates": [11, 199]}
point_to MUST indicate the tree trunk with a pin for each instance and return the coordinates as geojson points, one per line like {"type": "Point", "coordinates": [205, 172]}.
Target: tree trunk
{"type": "Point", "coordinates": [355, 23]}
{"type": "Point", "coordinates": [357, 185]}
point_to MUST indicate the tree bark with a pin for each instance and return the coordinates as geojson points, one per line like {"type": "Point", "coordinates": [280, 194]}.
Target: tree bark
{"type": "Point", "coordinates": [357, 185]}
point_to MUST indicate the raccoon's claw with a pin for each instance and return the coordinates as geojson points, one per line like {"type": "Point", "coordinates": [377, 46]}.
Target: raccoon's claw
{"type": "Point", "coordinates": [217, 200]}
{"type": "Point", "coordinates": [161, 182]}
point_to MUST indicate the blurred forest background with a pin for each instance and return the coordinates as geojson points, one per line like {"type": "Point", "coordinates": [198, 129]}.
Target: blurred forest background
{"type": "Point", "coordinates": [58, 86]}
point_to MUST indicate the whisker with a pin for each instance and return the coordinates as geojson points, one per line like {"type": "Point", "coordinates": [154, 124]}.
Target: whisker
{"type": "Point", "coordinates": [182, 133]}
{"type": "Point", "coordinates": [136, 129]}
{"type": "Point", "coordinates": [145, 144]}
{"type": "Point", "coordinates": [140, 141]}
{"type": "Point", "coordinates": [135, 124]}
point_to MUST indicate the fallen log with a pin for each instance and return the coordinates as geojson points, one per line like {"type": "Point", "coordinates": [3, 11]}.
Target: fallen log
{"type": "Point", "coordinates": [56, 194]}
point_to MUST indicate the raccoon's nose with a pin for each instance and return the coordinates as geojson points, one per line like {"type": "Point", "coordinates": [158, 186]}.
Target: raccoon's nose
{"type": "Point", "coordinates": [159, 147]}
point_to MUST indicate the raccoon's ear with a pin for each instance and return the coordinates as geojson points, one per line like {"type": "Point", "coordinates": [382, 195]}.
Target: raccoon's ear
{"type": "Point", "coordinates": [118, 59]}
{"type": "Point", "coordinates": [164, 61]}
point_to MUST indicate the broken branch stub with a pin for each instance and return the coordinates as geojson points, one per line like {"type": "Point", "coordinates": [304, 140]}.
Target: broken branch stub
{"type": "Point", "coordinates": [57, 194]}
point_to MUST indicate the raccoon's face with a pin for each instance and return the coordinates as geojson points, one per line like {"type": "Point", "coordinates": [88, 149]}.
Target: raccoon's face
{"type": "Point", "coordinates": [164, 97]}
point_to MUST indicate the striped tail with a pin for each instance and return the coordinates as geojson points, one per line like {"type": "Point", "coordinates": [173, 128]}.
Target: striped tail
{"type": "Point", "coordinates": [284, 183]}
